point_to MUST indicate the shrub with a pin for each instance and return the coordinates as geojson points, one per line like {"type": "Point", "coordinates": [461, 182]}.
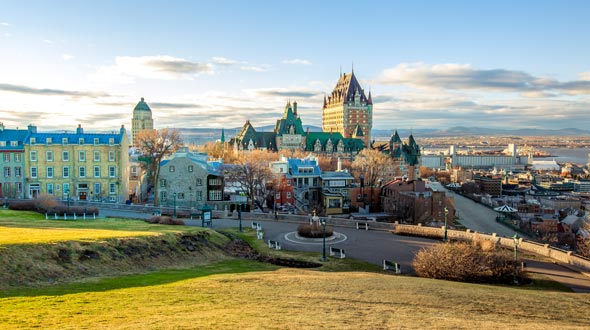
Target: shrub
{"type": "Point", "coordinates": [465, 263]}
{"type": "Point", "coordinates": [45, 202]}
{"type": "Point", "coordinates": [314, 230]}
{"type": "Point", "coordinates": [23, 205]}
{"type": "Point", "coordinates": [164, 220]}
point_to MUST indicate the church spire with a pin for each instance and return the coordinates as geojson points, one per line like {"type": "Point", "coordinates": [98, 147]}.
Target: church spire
{"type": "Point", "coordinates": [370, 99]}
{"type": "Point", "coordinates": [222, 135]}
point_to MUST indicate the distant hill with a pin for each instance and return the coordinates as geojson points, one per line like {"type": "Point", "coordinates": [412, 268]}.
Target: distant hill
{"type": "Point", "coordinates": [203, 135]}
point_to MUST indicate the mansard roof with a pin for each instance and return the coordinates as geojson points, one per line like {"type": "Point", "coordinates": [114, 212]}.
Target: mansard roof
{"type": "Point", "coordinates": [142, 106]}
{"type": "Point", "coordinates": [9, 135]}
{"type": "Point", "coordinates": [350, 144]}
{"type": "Point", "coordinates": [345, 90]}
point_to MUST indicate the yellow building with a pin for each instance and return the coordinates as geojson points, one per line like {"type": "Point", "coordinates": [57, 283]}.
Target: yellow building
{"type": "Point", "coordinates": [77, 165]}
{"type": "Point", "coordinates": [348, 110]}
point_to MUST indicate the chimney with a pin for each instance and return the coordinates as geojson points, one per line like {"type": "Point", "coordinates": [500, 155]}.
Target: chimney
{"type": "Point", "coordinates": [339, 164]}
{"type": "Point", "coordinates": [122, 130]}
{"type": "Point", "coordinates": [79, 130]}
{"type": "Point", "coordinates": [1, 127]}
{"type": "Point", "coordinates": [295, 108]}
{"type": "Point", "coordinates": [32, 128]}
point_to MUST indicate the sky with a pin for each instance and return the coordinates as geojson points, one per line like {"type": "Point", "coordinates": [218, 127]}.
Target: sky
{"type": "Point", "coordinates": [428, 64]}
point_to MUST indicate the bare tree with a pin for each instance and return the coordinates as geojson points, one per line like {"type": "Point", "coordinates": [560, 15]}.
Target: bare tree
{"type": "Point", "coordinates": [155, 145]}
{"type": "Point", "coordinates": [372, 165]}
{"type": "Point", "coordinates": [252, 173]}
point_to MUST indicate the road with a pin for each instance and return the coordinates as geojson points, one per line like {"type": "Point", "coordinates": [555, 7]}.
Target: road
{"type": "Point", "coordinates": [475, 216]}
{"type": "Point", "coordinates": [374, 246]}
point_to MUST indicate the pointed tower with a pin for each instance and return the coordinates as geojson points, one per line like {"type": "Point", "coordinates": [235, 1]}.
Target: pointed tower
{"type": "Point", "coordinates": [222, 135]}
{"type": "Point", "coordinates": [142, 120]}
{"type": "Point", "coordinates": [348, 107]}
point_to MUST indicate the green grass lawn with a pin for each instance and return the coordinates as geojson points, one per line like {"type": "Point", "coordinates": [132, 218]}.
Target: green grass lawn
{"type": "Point", "coordinates": [21, 227]}
{"type": "Point", "coordinates": [242, 294]}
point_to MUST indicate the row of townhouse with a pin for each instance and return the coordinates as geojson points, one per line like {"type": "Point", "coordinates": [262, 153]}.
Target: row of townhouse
{"type": "Point", "coordinates": [74, 165]}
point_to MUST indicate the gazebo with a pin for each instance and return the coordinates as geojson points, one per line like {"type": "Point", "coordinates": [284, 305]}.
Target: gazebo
{"type": "Point", "coordinates": [505, 212]}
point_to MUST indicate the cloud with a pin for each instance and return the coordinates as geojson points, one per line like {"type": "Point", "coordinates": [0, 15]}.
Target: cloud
{"type": "Point", "coordinates": [223, 61]}
{"type": "Point", "coordinates": [67, 57]}
{"type": "Point", "coordinates": [5, 24]}
{"type": "Point", "coordinates": [47, 41]}
{"type": "Point", "coordinates": [255, 68]}
{"type": "Point", "coordinates": [127, 68]}
{"type": "Point", "coordinates": [296, 61]}
{"type": "Point", "coordinates": [165, 105]}
{"type": "Point", "coordinates": [50, 92]}
{"type": "Point", "coordinates": [283, 92]}
{"type": "Point", "coordinates": [465, 77]}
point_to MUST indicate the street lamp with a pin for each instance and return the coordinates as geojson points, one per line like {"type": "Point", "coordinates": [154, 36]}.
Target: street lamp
{"type": "Point", "coordinates": [446, 215]}
{"type": "Point", "coordinates": [323, 223]}
{"type": "Point", "coordinates": [240, 216]}
{"type": "Point", "coordinates": [516, 241]}
{"type": "Point", "coordinates": [174, 212]}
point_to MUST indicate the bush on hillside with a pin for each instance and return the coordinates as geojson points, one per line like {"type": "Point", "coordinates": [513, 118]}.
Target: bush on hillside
{"type": "Point", "coordinates": [164, 220]}
{"type": "Point", "coordinates": [465, 262]}
{"type": "Point", "coordinates": [24, 205]}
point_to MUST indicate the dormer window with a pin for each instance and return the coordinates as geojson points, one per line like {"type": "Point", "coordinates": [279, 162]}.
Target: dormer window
{"type": "Point", "coordinates": [14, 143]}
{"type": "Point", "coordinates": [111, 141]}
{"type": "Point", "coordinates": [81, 141]}
{"type": "Point", "coordinates": [33, 141]}
{"type": "Point", "coordinates": [48, 140]}
{"type": "Point", "coordinates": [95, 141]}
{"type": "Point", "coordinates": [2, 143]}
{"type": "Point", "coordinates": [64, 141]}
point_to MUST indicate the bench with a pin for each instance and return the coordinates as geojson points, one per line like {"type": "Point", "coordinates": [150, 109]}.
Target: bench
{"type": "Point", "coordinates": [390, 265]}
{"type": "Point", "coordinates": [259, 234]}
{"type": "Point", "coordinates": [337, 252]}
{"type": "Point", "coordinates": [362, 225]}
{"type": "Point", "coordinates": [274, 245]}
{"type": "Point", "coordinates": [257, 226]}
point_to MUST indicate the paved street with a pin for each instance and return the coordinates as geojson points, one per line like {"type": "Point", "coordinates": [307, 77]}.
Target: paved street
{"type": "Point", "coordinates": [475, 216]}
{"type": "Point", "coordinates": [374, 246]}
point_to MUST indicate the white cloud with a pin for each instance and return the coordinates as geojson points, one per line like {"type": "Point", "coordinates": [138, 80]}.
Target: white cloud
{"type": "Point", "coordinates": [296, 61]}
{"type": "Point", "coordinates": [127, 68]}
{"type": "Point", "coordinates": [255, 68]}
{"type": "Point", "coordinates": [5, 24]}
{"type": "Point", "coordinates": [67, 57]}
{"type": "Point", "coordinates": [47, 41]}
{"type": "Point", "coordinates": [223, 61]}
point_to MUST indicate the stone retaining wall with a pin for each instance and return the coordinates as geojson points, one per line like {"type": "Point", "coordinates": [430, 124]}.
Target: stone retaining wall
{"type": "Point", "coordinates": [566, 257]}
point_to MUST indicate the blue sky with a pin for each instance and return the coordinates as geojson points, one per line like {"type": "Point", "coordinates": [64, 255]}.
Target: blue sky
{"type": "Point", "coordinates": [429, 64]}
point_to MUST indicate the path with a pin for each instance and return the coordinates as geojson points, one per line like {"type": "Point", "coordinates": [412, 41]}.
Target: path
{"type": "Point", "coordinates": [374, 246]}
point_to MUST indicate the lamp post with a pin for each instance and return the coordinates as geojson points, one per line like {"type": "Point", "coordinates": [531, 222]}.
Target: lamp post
{"type": "Point", "coordinates": [240, 216]}
{"type": "Point", "coordinates": [446, 215]}
{"type": "Point", "coordinates": [516, 241]}
{"type": "Point", "coordinates": [174, 211]}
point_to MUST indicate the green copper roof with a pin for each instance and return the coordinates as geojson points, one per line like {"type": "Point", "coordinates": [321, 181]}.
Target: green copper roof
{"type": "Point", "coordinates": [142, 106]}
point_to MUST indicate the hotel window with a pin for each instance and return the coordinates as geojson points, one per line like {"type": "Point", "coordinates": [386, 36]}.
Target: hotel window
{"type": "Point", "coordinates": [49, 156]}
{"type": "Point", "coordinates": [199, 182]}
{"type": "Point", "coordinates": [162, 196]}
{"type": "Point", "coordinates": [82, 156]}
{"type": "Point", "coordinates": [81, 141]}
{"type": "Point", "coordinates": [50, 172]}
{"type": "Point", "coordinates": [19, 187]}
{"type": "Point", "coordinates": [172, 168]}
{"type": "Point", "coordinates": [33, 172]}
{"type": "Point", "coordinates": [112, 189]}
{"type": "Point", "coordinates": [95, 141]}
{"type": "Point", "coordinates": [66, 172]}
{"type": "Point", "coordinates": [111, 141]}
{"type": "Point", "coordinates": [66, 188]}
{"type": "Point", "coordinates": [215, 182]}
{"type": "Point", "coordinates": [82, 171]}
{"type": "Point", "coordinates": [14, 143]}
{"type": "Point", "coordinates": [6, 157]}
{"type": "Point", "coordinates": [64, 141]}
{"type": "Point", "coordinates": [163, 183]}
{"type": "Point", "coordinates": [199, 196]}
{"type": "Point", "coordinates": [111, 156]}
{"type": "Point", "coordinates": [6, 172]}
{"type": "Point", "coordinates": [97, 188]}
{"type": "Point", "coordinates": [97, 171]}
{"type": "Point", "coordinates": [215, 195]}
{"type": "Point", "coordinates": [2, 143]}
{"type": "Point", "coordinates": [48, 141]}
{"type": "Point", "coordinates": [288, 194]}
{"type": "Point", "coordinates": [33, 140]}
{"type": "Point", "coordinates": [190, 168]}
{"type": "Point", "coordinates": [18, 172]}
{"type": "Point", "coordinates": [96, 156]}
{"type": "Point", "coordinates": [33, 156]}
{"type": "Point", "coordinates": [65, 156]}
{"type": "Point", "coordinates": [112, 171]}
{"type": "Point", "coordinates": [50, 188]}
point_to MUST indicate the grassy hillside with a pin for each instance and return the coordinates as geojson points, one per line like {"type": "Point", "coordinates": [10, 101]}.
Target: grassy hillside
{"type": "Point", "coordinates": [247, 295]}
